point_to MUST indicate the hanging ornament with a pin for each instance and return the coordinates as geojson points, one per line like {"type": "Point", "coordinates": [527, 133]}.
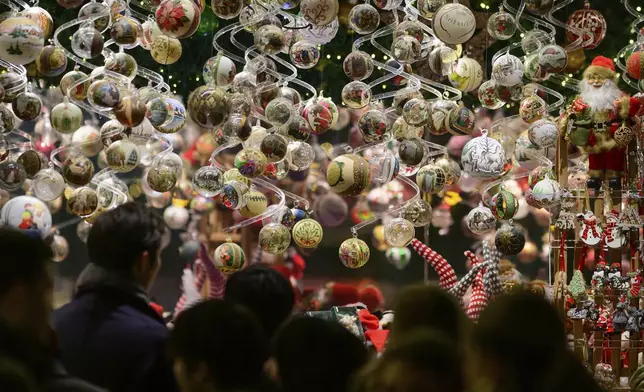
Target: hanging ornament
{"type": "Point", "coordinates": [227, 9]}
{"type": "Point", "coordinates": [301, 155]}
{"type": "Point", "coordinates": [488, 96]}
{"type": "Point", "coordinates": [501, 25]}
{"type": "Point", "coordinates": [543, 133]}
{"type": "Point", "coordinates": [411, 151]}
{"type": "Point", "coordinates": [547, 192]}
{"type": "Point", "coordinates": [122, 156]}
{"type": "Point", "coordinates": [304, 54]}
{"type": "Point", "coordinates": [364, 19]}
{"type": "Point", "coordinates": [418, 212]}
{"type": "Point", "coordinates": [553, 59]}
{"type": "Point", "coordinates": [398, 257]}
{"type": "Point", "coordinates": [256, 204]}
{"type": "Point", "coordinates": [480, 220]}
{"type": "Point", "coordinates": [178, 117]}
{"type": "Point", "coordinates": [307, 233]}
{"type": "Point", "coordinates": [384, 167]}
{"type": "Point", "coordinates": [93, 9]}
{"type": "Point", "coordinates": [356, 95]}
{"type": "Point", "coordinates": [440, 117]}
{"type": "Point", "coordinates": [358, 65]}
{"type": "Point", "coordinates": [427, 8]}
{"type": "Point", "coordinates": [233, 195]}
{"type": "Point", "coordinates": [21, 40]}
{"type": "Point", "coordinates": [589, 21]}
{"type": "Point", "coordinates": [532, 108]}
{"type": "Point", "coordinates": [454, 23]}
{"type": "Point", "coordinates": [176, 217]}
{"type": "Point", "coordinates": [48, 184]}
{"type": "Point", "coordinates": [532, 69]}
{"type": "Point", "coordinates": [406, 49]}
{"type": "Point", "coordinates": [103, 95]}
{"type": "Point", "coordinates": [122, 63]}
{"type": "Point", "coordinates": [507, 70]}
{"type": "Point", "coordinates": [161, 178]}
{"type": "Point", "coordinates": [460, 121]}
{"type": "Point", "coordinates": [59, 248]}
{"type": "Point", "coordinates": [354, 253]}
{"type": "Point", "coordinates": [130, 111]}
{"type": "Point", "coordinates": [399, 232]}
{"type": "Point", "coordinates": [270, 39]}
{"type": "Point", "coordinates": [88, 138]}
{"type": "Point", "coordinates": [78, 170]}
{"type": "Point", "coordinates": [431, 179]}
{"type": "Point", "coordinates": [467, 75]}
{"type": "Point", "coordinates": [126, 31]}
{"type": "Point", "coordinates": [66, 117]}
{"type": "Point", "coordinates": [451, 168]}
{"type": "Point", "coordinates": [12, 175]}
{"type": "Point", "coordinates": [150, 31]}
{"type": "Point", "coordinates": [177, 18]}
{"type": "Point", "coordinates": [28, 214]}
{"type": "Point", "coordinates": [401, 130]}
{"type": "Point", "coordinates": [274, 238]}
{"type": "Point", "coordinates": [416, 112]}
{"type": "Point", "coordinates": [27, 106]}
{"type": "Point", "coordinates": [635, 65]}
{"type": "Point", "coordinates": [87, 42]}
{"type": "Point", "coordinates": [229, 257]}
{"type": "Point", "coordinates": [70, 87]}
{"type": "Point", "coordinates": [319, 12]}
{"type": "Point", "coordinates": [373, 125]}
{"type": "Point", "coordinates": [51, 61]}
{"type": "Point", "coordinates": [208, 181]}
{"type": "Point", "coordinates": [483, 157]}
{"type": "Point", "coordinates": [504, 205]}
{"type": "Point", "coordinates": [83, 202]}
{"type": "Point", "coordinates": [166, 50]}
{"type": "Point", "coordinates": [509, 240]}
{"type": "Point", "coordinates": [279, 111]}
{"type": "Point", "coordinates": [348, 175]}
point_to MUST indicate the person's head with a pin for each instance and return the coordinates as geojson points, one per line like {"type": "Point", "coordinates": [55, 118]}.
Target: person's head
{"type": "Point", "coordinates": [311, 354]}
{"type": "Point", "coordinates": [217, 345]}
{"type": "Point", "coordinates": [26, 281]}
{"type": "Point", "coordinates": [422, 361]}
{"type": "Point", "coordinates": [430, 307]}
{"type": "Point", "coordinates": [128, 239]}
{"type": "Point", "coordinates": [266, 292]}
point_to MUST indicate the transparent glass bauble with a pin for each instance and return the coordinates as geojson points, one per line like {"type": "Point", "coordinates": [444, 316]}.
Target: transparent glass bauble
{"type": "Point", "coordinates": [300, 155]}
{"type": "Point", "coordinates": [304, 54]}
{"type": "Point", "coordinates": [399, 232]}
{"type": "Point", "coordinates": [418, 212]}
{"type": "Point", "coordinates": [48, 184]}
{"type": "Point", "coordinates": [356, 95]}
{"type": "Point", "coordinates": [501, 25]}
{"type": "Point", "coordinates": [87, 42]}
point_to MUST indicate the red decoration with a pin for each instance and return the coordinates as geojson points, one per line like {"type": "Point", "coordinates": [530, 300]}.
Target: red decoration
{"type": "Point", "coordinates": [635, 65]}
{"type": "Point", "coordinates": [589, 21]}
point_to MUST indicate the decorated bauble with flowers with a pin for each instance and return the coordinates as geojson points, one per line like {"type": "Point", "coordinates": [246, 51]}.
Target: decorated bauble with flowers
{"type": "Point", "coordinates": [166, 50]}
{"type": "Point", "coordinates": [591, 22]}
{"type": "Point", "coordinates": [178, 18]}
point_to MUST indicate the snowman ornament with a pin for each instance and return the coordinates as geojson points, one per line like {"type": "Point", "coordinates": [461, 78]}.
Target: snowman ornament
{"type": "Point", "coordinates": [591, 232]}
{"type": "Point", "coordinates": [614, 237]}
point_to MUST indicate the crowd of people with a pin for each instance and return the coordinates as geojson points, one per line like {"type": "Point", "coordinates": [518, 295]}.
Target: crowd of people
{"type": "Point", "coordinates": [109, 338]}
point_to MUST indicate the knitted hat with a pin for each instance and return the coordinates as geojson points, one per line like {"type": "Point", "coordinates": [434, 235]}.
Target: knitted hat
{"type": "Point", "coordinates": [601, 66]}
{"type": "Point", "coordinates": [371, 296]}
{"type": "Point", "coordinates": [342, 294]}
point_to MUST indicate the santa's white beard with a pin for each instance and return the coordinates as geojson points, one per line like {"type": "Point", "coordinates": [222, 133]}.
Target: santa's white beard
{"type": "Point", "coordinates": [599, 98]}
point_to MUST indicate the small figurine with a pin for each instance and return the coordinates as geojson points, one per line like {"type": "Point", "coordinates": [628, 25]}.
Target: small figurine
{"type": "Point", "coordinates": [591, 231]}
{"type": "Point", "coordinates": [620, 317]}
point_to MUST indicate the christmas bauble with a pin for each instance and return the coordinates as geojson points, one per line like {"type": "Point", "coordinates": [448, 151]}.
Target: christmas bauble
{"type": "Point", "coordinates": [488, 95]}
{"type": "Point", "coordinates": [333, 108]}
{"type": "Point", "coordinates": [411, 151]}
{"type": "Point", "coordinates": [398, 80]}
{"type": "Point", "coordinates": [576, 60]}
{"type": "Point", "coordinates": [274, 147]}
{"type": "Point", "coordinates": [354, 253]}
{"type": "Point", "coordinates": [399, 232]}
{"type": "Point", "coordinates": [416, 112]}
{"type": "Point", "coordinates": [483, 157]}
{"type": "Point", "coordinates": [12, 175]}
{"type": "Point", "coordinates": [373, 125]}
{"type": "Point", "coordinates": [539, 173]}
{"type": "Point", "coordinates": [161, 178]}
{"type": "Point", "coordinates": [279, 111]}
{"type": "Point", "coordinates": [348, 175]}
{"type": "Point", "coordinates": [88, 138]}
{"type": "Point", "coordinates": [122, 156]}
{"type": "Point", "coordinates": [525, 152]}
{"type": "Point", "coordinates": [112, 131]}
{"type": "Point", "coordinates": [78, 170]}
{"type": "Point", "coordinates": [430, 179]}
{"type": "Point", "coordinates": [48, 184]}
{"type": "Point", "coordinates": [401, 97]}
{"type": "Point", "coordinates": [256, 203]}
{"type": "Point", "coordinates": [418, 212]}
{"type": "Point", "coordinates": [208, 181]}
{"type": "Point", "coordinates": [229, 257]}
{"type": "Point", "coordinates": [178, 117]}
{"type": "Point", "coordinates": [427, 8]}
{"type": "Point", "coordinates": [171, 161]}
{"type": "Point", "coordinates": [406, 49]}
{"type": "Point", "coordinates": [553, 58]}
{"type": "Point", "coordinates": [356, 95]}
{"type": "Point", "coordinates": [480, 220]}
{"type": "Point", "coordinates": [454, 23]}
{"type": "Point", "coordinates": [158, 112]}
{"type": "Point", "coordinates": [176, 217]}
{"type": "Point", "coordinates": [304, 54]}
{"type": "Point", "coordinates": [401, 130]}
{"type": "Point", "coordinates": [83, 201]}
{"type": "Point", "coordinates": [27, 106]}
{"type": "Point", "coordinates": [307, 233]}
{"type": "Point", "coordinates": [509, 240]}
{"type": "Point", "coordinates": [150, 31]}
{"type": "Point", "coordinates": [51, 61]}
{"type": "Point", "coordinates": [398, 257]}
{"type": "Point", "coordinates": [69, 85]}
{"type": "Point", "coordinates": [126, 31]}
{"type": "Point", "coordinates": [547, 192]}
{"type": "Point", "coordinates": [28, 214]}
{"type": "Point", "coordinates": [274, 238]}
{"type": "Point", "coordinates": [103, 95]}
{"type": "Point", "coordinates": [539, 7]}
{"type": "Point", "coordinates": [122, 63]}
{"type": "Point", "coordinates": [504, 205]}
{"type": "Point", "coordinates": [451, 168]}
{"type": "Point", "coordinates": [87, 42]}
{"type": "Point", "coordinates": [532, 108]}
{"type": "Point", "coordinates": [635, 65]}
{"type": "Point", "coordinates": [227, 9]}
{"type": "Point", "coordinates": [442, 58]}
{"type": "Point", "coordinates": [501, 25]}
{"type": "Point", "coordinates": [440, 117]}
{"type": "Point", "coordinates": [178, 18]}
{"type": "Point", "coordinates": [543, 133]}
{"type": "Point", "coordinates": [209, 106]}
{"type": "Point", "coordinates": [534, 40]}
{"type": "Point", "coordinates": [250, 162]}
{"type": "Point", "coordinates": [21, 40]}
{"type": "Point", "coordinates": [233, 194]}
{"type": "Point", "coordinates": [384, 167]}
{"type": "Point", "coordinates": [40, 17]}
{"type": "Point", "coordinates": [507, 70]}
{"type": "Point", "coordinates": [301, 155]}
{"type": "Point", "coordinates": [130, 111]}
{"type": "Point", "coordinates": [589, 21]}
{"type": "Point", "coordinates": [7, 120]}
{"type": "Point", "coordinates": [364, 19]}
{"type": "Point", "coordinates": [270, 39]}
{"type": "Point", "coordinates": [94, 9]}
{"type": "Point", "coordinates": [532, 69]}
{"type": "Point", "coordinates": [460, 121]}
{"type": "Point", "coordinates": [66, 117]}
{"type": "Point", "coordinates": [219, 70]}
{"type": "Point", "coordinates": [467, 75]}
{"type": "Point", "coordinates": [166, 50]}
{"type": "Point", "coordinates": [299, 214]}
{"type": "Point", "coordinates": [319, 12]}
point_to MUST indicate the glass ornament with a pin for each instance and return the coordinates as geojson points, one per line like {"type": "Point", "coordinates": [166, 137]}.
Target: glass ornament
{"type": "Point", "coordinates": [300, 155]}
{"type": "Point", "coordinates": [591, 22]}
{"type": "Point", "coordinates": [150, 31]}
{"type": "Point", "coordinates": [66, 117]}
{"type": "Point", "coordinates": [158, 112]}
{"type": "Point", "coordinates": [274, 147]}
{"type": "Point", "coordinates": [69, 85]}
{"type": "Point", "coordinates": [401, 97]}
{"type": "Point", "coordinates": [237, 127]}
{"type": "Point", "coordinates": [539, 173]}
{"type": "Point", "coordinates": [411, 152]}
{"type": "Point", "coordinates": [384, 167]}
{"type": "Point", "coordinates": [83, 201]}
{"type": "Point", "coordinates": [543, 133]}
{"type": "Point", "coordinates": [354, 253]}
{"type": "Point", "coordinates": [27, 214]}
{"type": "Point", "coordinates": [635, 65]}
{"type": "Point", "coordinates": [292, 95]}
{"type": "Point", "coordinates": [299, 128]}
{"type": "Point", "coordinates": [460, 121]}
{"type": "Point", "coordinates": [209, 106]}
{"type": "Point", "coordinates": [178, 117]}
{"type": "Point", "coordinates": [480, 220]}
{"type": "Point", "coordinates": [442, 58]}
{"type": "Point", "coordinates": [399, 232]}
{"type": "Point", "coordinates": [418, 212]}
{"type": "Point", "coordinates": [358, 65]}
{"type": "Point", "coordinates": [40, 17]}
{"type": "Point", "coordinates": [318, 116]}
{"type": "Point", "coordinates": [88, 138]}
{"type": "Point", "coordinates": [112, 131]}
{"type": "Point", "coordinates": [553, 58]}
{"type": "Point", "coordinates": [427, 8]}
{"type": "Point", "coordinates": [10, 81]}
{"type": "Point", "coordinates": [59, 248]}
{"type": "Point", "coordinates": [398, 80]}
{"type": "Point", "coordinates": [412, 28]}
{"type": "Point", "coordinates": [178, 18]}
{"type": "Point", "coordinates": [208, 181]}
{"type": "Point", "coordinates": [451, 168]}
{"type": "Point", "coordinates": [229, 258]}
{"type": "Point", "coordinates": [504, 205]}
{"type": "Point", "coordinates": [304, 54]}
{"type": "Point", "coordinates": [274, 238]}
{"type": "Point", "coordinates": [547, 193]}
{"type": "Point", "coordinates": [270, 39]}
{"type": "Point", "coordinates": [279, 111]}
{"type": "Point", "coordinates": [250, 162]}
{"type": "Point", "coordinates": [431, 179]}
{"type": "Point", "coordinates": [166, 50]}
{"type": "Point", "coordinates": [373, 125]}
{"type": "Point", "coordinates": [227, 9]}
{"type": "Point", "coordinates": [12, 175]}
{"type": "Point", "coordinates": [122, 63]}
{"type": "Point", "coordinates": [509, 240]}
{"type": "Point", "coordinates": [466, 75]}
{"type": "Point", "coordinates": [240, 104]}
{"type": "Point", "coordinates": [333, 108]}
{"type": "Point", "coordinates": [103, 95]}
{"type": "Point", "coordinates": [539, 7]}
{"type": "Point", "coordinates": [406, 49]}
{"type": "Point", "coordinates": [483, 157]}
{"type": "Point", "coordinates": [7, 120]}
{"type": "Point", "coordinates": [122, 156]}
{"type": "Point", "coordinates": [78, 170]}
{"type": "Point", "coordinates": [27, 106]}
{"type": "Point", "coordinates": [126, 31]}
{"type": "Point", "coordinates": [307, 233]}
{"type": "Point", "coordinates": [256, 203]}
{"type": "Point", "coordinates": [171, 161]}
{"type": "Point", "coordinates": [348, 175]}
{"type": "Point", "coordinates": [283, 216]}
{"type": "Point", "coordinates": [319, 12]}
{"type": "Point", "coordinates": [176, 217]}
{"type": "Point", "coordinates": [299, 214]}
{"type": "Point", "coordinates": [364, 19]}
{"type": "Point", "coordinates": [534, 40]}
{"type": "Point", "coordinates": [501, 25]}
{"type": "Point", "coordinates": [532, 69]}
{"type": "Point", "coordinates": [525, 152]}
{"type": "Point", "coordinates": [219, 70]}
{"type": "Point", "coordinates": [161, 178]}
{"type": "Point", "coordinates": [265, 93]}
{"type": "Point", "coordinates": [257, 134]}
{"type": "Point", "coordinates": [356, 95]}
{"type": "Point", "coordinates": [21, 40]}
{"type": "Point", "coordinates": [48, 184]}
{"type": "Point", "coordinates": [95, 8]}
{"type": "Point", "coordinates": [111, 192]}
{"type": "Point", "coordinates": [440, 117]}
{"type": "Point", "coordinates": [277, 170]}
{"type": "Point", "coordinates": [507, 70]}
{"type": "Point", "coordinates": [454, 23]}
{"type": "Point", "coordinates": [488, 96]}
{"type": "Point", "coordinates": [51, 61]}
{"type": "Point", "coordinates": [416, 112]}
{"type": "Point", "coordinates": [401, 130]}
{"type": "Point", "coordinates": [130, 111]}
{"type": "Point", "coordinates": [532, 108]}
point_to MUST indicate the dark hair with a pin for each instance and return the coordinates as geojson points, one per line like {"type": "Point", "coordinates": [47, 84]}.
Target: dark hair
{"type": "Point", "coordinates": [266, 292]}
{"type": "Point", "coordinates": [430, 307]}
{"type": "Point", "coordinates": [120, 236]}
{"type": "Point", "coordinates": [226, 337]}
{"type": "Point", "coordinates": [24, 258]}
{"type": "Point", "coordinates": [314, 355]}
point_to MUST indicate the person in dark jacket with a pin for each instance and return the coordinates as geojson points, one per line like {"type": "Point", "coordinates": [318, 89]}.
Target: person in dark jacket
{"type": "Point", "coordinates": [27, 343]}
{"type": "Point", "coordinates": [109, 334]}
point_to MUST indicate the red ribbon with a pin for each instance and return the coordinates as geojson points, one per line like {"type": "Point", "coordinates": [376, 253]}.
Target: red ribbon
{"type": "Point", "coordinates": [589, 225]}
{"type": "Point", "coordinates": [608, 231]}
{"type": "Point", "coordinates": [562, 249]}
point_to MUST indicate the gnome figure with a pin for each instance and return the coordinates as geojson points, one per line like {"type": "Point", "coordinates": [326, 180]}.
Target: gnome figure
{"type": "Point", "coordinates": [599, 122]}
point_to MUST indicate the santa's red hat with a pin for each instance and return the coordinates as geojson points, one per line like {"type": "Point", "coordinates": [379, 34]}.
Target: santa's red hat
{"type": "Point", "coordinates": [601, 66]}
{"type": "Point", "coordinates": [371, 296]}
{"type": "Point", "coordinates": [343, 294]}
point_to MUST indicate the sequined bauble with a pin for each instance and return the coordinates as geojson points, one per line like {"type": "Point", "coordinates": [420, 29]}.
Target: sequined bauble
{"type": "Point", "coordinates": [319, 117]}
{"type": "Point", "coordinates": [454, 23]}
{"type": "Point", "coordinates": [70, 86]}
{"type": "Point", "coordinates": [219, 70]}
{"type": "Point", "coordinates": [21, 40]}
{"type": "Point", "coordinates": [103, 95]}
{"type": "Point", "coordinates": [418, 212]}
{"type": "Point", "coordinates": [591, 22]}
{"type": "Point", "coordinates": [94, 9]}
{"type": "Point", "coordinates": [304, 54]}
{"type": "Point", "coordinates": [348, 175]}
{"type": "Point", "coordinates": [399, 232]}
{"type": "Point", "coordinates": [460, 121]}
{"type": "Point", "coordinates": [51, 61]}
{"type": "Point", "coordinates": [483, 157]}
{"type": "Point", "coordinates": [66, 117]}
{"type": "Point", "coordinates": [126, 31]}
{"type": "Point", "coordinates": [411, 151]}
{"type": "Point", "coordinates": [488, 95]}
{"type": "Point", "coordinates": [354, 253]}
{"type": "Point", "coordinates": [229, 257]}
{"type": "Point", "coordinates": [83, 201]}
{"type": "Point", "coordinates": [48, 184]}
{"type": "Point", "coordinates": [358, 65]}
{"type": "Point", "coordinates": [227, 9]}
{"type": "Point", "coordinates": [539, 7]}
{"type": "Point", "coordinates": [178, 117]}
{"type": "Point", "coordinates": [509, 240]}
{"type": "Point", "coordinates": [122, 156]}
{"type": "Point", "coordinates": [178, 18]}
{"type": "Point", "coordinates": [635, 65]}
{"type": "Point", "coordinates": [255, 204]}
{"type": "Point", "coordinates": [78, 170]}
{"type": "Point", "coordinates": [166, 50]}
{"type": "Point", "coordinates": [270, 39]}
{"type": "Point", "coordinates": [532, 108]}
{"type": "Point", "coordinates": [501, 25]}
{"type": "Point", "coordinates": [507, 70]}
{"type": "Point", "coordinates": [250, 162]}
{"type": "Point", "coordinates": [406, 49]}
{"type": "Point", "coordinates": [373, 125]}
{"type": "Point", "coordinates": [209, 106]}
{"type": "Point", "coordinates": [319, 12]}
{"type": "Point", "coordinates": [233, 195]}
{"type": "Point", "coordinates": [431, 179]}
{"type": "Point", "coordinates": [27, 106]}
{"type": "Point", "coordinates": [466, 75]}
{"type": "Point", "coordinates": [12, 175]}
{"type": "Point", "coordinates": [279, 111]}
{"type": "Point", "coordinates": [440, 117]}
{"type": "Point", "coordinates": [543, 133]}
{"type": "Point", "coordinates": [364, 19]}
{"type": "Point", "coordinates": [87, 42]}
{"type": "Point", "coordinates": [553, 58]}
{"type": "Point", "coordinates": [504, 205]}
{"type": "Point", "coordinates": [307, 233]}
{"type": "Point", "coordinates": [274, 238]}
{"type": "Point", "coordinates": [274, 147]}
{"type": "Point", "coordinates": [161, 178]}
{"type": "Point", "coordinates": [547, 192]}
{"type": "Point", "coordinates": [356, 95]}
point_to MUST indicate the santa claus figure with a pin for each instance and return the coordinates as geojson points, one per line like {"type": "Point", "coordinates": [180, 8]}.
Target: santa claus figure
{"type": "Point", "coordinates": [599, 120]}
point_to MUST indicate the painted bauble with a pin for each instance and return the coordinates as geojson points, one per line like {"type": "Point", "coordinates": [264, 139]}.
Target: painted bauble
{"type": "Point", "coordinates": [299, 214]}
{"type": "Point", "coordinates": [171, 161]}
{"type": "Point", "coordinates": [209, 106]}
{"type": "Point", "coordinates": [27, 106]}
{"type": "Point", "coordinates": [256, 204]}
{"type": "Point", "coordinates": [635, 65]}
{"type": "Point", "coordinates": [12, 85]}
{"type": "Point", "coordinates": [501, 25]}
{"type": "Point", "coordinates": [270, 39]}
{"type": "Point", "coordinates": [83, 201]}
{"type": "Point", "coordinates": [274, 147]}
{"type": "Point", "coordinates": [27, 214]}
{"type": "Point", "coordinates": [431, 179]}
{"type": "Point", "coordinates": [298, 128]}
{"type": "Point", "coordinates": [373, 125]}
{"type": "Point", "coordinates": [219, 70]}
{"type": "Point", "coordinates": [354, 253]}
{"type": "Point", "coordinates": [282, 215]}
{"type": "Point", "coordinates": [532, 108]}
{"type": "Point", "coordinates": [543, 133]}
{"type": "Point", "coordinates": [416, 112]}
{"type": "Point", "coordinates": [87, 42]}
{"type": "Point", "coordinates": [178, 18]}
{"type": "Point", "coordinates": [178, 117]}
{"type": "Point", "coordinates": [532, 69]}
{"type": "Point", "coordinates": [229, 258]}
{"type": "Point", "coordinates": [292, 95]}
{"type": "Point", "coordinates": [509, 240]}
{"type": "Point", "coordinates": [122, 63]}
{"type": "Point", "coordinates": [451, 168]}
{"type": "Point", "coordinates": [279, 111]}
{"type": "Point", "coordinates": [69, 85]}
{"type": "Point", "coordinates": [399, 232]}
{"type": "Point", "coordinates": [319, 12]}
{"type": "Point", "coordinates": [507, 70]}
{"type": "Point", "coordinates": [454, 23]}
{"type": "Point", "coordinates": [250, 162]}
{"type": "Point", "coordinates": [488, 95]}
{"type": "Point", "coordinates": [539, 7]}
{"type": "Point", "coordinates": [539, 173]}
{"type": "Point", "coordinates": [40, 17]}
{"type": "Point", "coordinates": [387, 4]}
{"type": "Point", "coordinates": [442, 57]}
{"type": "Point", "coordinates": [122, 156]}
{"type": "Point", "coordinates": [233, 194]}
{"type": "Point", "coordinates": [66, 117]}
{"type": "Point", "coordinates": [504, 205]}
{"type": "Point", "coordinates": [277, 170]}
{"type": "Point", "coordinates": [94, 9]}
{"type": "Point", "coordinates": [553, 58]}
{"type": "Point", "coordinates": [348, 175]}
{"type": "Point", "coordinates": [480, 220]}
{"type": "Point", "coordinates": [112, 131]}
{"type": "Point", "coordinates": [547, 192]}
{"type": "Point", "coordinates": [227, 9]}
{"type": "Point", "coordinates": [333, 108]}
{"type": "Point", "coordinates": [525, 152]}
{"type": "Point", "coordinates": [158, 112]}
{"type": "Point", "coordinates": [166, 50]}
{"type": "Point", "coordinates": [130, 111]}
{"type": "Point", "coordinates": [307, 233]}
{"type": "Point", "coordinates": [103, 95]}
{"type": "Point", "coordinates": [591, 22]}
{"type": "Point", "coordinates": [534, 40]}
{"type": "Point", "coordinates": [411, 151]}
{"type": "Point", "coordinates": [301, 155]}
{"type": "Point", "coordinates": [418, 212]}
{"type": "Point", "coordinates": [51, 61]}
{"type": "Point", "coordinates": [399, 80]}
{"type": "Point", "coordinates": [161, 178]}
{"type": "Point", "coordinates": [319, 117]}
{"type": "Point", "coordinates": [483, 157]}
{"type": "Point", "coordinates": [401, 130]}
{"type": "Point", "coordinates": [48, 184]}
{"type": "Point", "coordinates": [21, 40]}
{"type": "Point", "coordinates": [467, 75]}
{"type": "Point", "coordinates": [78, 170]}
{"type": "Point", "coordinates": [401, 97]}
{"type": "Point", "coordinates": [126, 32]}
{"type": "Point", "coordinates": [208, 181]}
{"type": "Point", "coordinates": [12, 175]}
{"type": "Point", "coordinates": [358, 65]}
{"type": "Point", "coordinates": [150, 31]}
{"type": "Point", "coordinates": [364, 19]}
{"type": "Point", "coordinates": [304, 54]}
{"type": "Point", "coordinates": [398, 257]}
{"type": "Point", "coordinates": [427, 8]}
{"type": "Point", "coordinates": [274, 238]}
{"type": "Point", "coordinates": [460, 121]}
{"type": "Point", "coordinates": [7, 121]}
{"type": "Point", "coordinates": [88, 138]}
{"type": "Point", "coordinates": [356, 95]}
{"type": "Point", "coordinates": [406, 49]}
{"type": "Point", "coordinates": [440, 117]}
